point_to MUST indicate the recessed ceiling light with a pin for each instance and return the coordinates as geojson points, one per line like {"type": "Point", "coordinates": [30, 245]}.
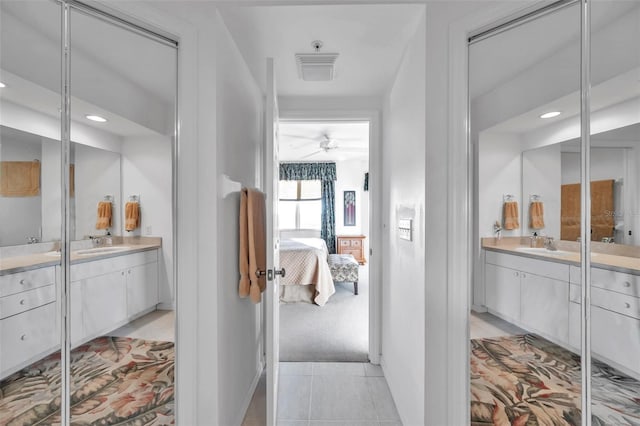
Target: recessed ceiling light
{"type": "Point", "coordinates": [2, 85]}
{"type": "Point", "coordinates": [96, 118]}
{"type": "Point", "coordinates": [550, 114]}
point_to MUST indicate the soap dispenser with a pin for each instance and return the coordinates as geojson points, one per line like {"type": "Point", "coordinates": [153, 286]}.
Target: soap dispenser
{"type": "Point", "coordinates": [533, 241]}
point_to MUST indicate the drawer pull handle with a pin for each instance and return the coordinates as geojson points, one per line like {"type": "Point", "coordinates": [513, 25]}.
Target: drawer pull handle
{"type": "Point", "coordinates": [516, 274]}
{"type": "Point", "coordinates": [627, 305]}
{"type": "Point", "coordinates": [22, 282]}
{"type": "Point", "coordinates": [23, 337]}
{"type": "Point", "coordinates": [627, 284]}
{"type": "Point", "coordinates": [122, 273]}
{"type": "Point", "coordinates": [22, 302]}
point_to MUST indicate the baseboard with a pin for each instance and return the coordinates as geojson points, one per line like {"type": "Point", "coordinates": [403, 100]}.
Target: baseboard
{"type": "Point", "coordinates": [247, 399]}
{"type": "Point", "coordinates": [165, 306]}
{"type": "Point", "coordinates": [479, 308]}
{"type": "Point", "coordinates": [383, 364]}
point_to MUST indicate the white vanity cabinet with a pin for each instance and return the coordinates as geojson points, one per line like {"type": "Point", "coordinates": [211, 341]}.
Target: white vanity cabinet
{"type": "Point", "coordinates": [108, 293]}
{"type": "Point", "coordinates": [531, 293]}
{"type": "Point", "coordinates": [28, 318]}
{"type": "Point", "coordinates": [615, 317]}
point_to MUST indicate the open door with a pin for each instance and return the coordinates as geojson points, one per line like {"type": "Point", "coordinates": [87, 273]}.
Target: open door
{"type": "Point", "coordinates": [273, 240]}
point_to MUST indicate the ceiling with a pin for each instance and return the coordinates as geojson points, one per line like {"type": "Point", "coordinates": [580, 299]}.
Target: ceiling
{"type": "Point", "coordinates": [301, 141]}
{"type": "Point", "coordinates": [369, 38]}
{"type": "Point", "coordinates": [122, 76]}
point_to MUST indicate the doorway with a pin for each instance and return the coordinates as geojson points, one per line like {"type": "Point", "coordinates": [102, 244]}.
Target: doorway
{"type": "Point", "coordinates": [334, 325]}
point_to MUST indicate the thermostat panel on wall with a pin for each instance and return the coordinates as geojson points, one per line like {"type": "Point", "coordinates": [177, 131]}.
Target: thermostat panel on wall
{"type": "Point", "coordinates": [405, 227]}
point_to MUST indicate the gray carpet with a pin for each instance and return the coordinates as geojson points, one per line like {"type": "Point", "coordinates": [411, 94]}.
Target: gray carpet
{"type": "Point", "coordinates": [337, 331]}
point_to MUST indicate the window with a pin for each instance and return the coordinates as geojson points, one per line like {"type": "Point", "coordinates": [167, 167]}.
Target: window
{"type": "Point", "coordinates": [300, 205]}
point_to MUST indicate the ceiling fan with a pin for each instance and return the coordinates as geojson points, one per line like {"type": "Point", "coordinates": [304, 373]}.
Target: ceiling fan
{"type": "Point", "coordinates": [326, 144]}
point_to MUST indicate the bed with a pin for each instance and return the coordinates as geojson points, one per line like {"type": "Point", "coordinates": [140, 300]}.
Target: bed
{"type": "Point", "coordinates": [308, 277]}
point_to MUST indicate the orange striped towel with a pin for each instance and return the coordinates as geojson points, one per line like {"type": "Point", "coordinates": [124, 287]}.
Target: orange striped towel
{"type": "Point", "coordinates": [131, 216]}
{"type": "Point", "coordinates": [104, 215]}
{"type": "Point", "coordinates": [536, 215]}
{"type": "Point", "coordinates": [510, 215]}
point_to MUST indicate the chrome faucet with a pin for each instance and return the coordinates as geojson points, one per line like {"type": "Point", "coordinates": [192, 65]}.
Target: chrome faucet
{"type": "Point", "coordinates": [550, 244]}
{"type": "Point", "coordinates": [32, 240]}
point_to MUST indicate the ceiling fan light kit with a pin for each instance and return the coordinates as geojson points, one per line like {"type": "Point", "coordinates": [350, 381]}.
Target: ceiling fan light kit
{"type": "Point", "coordinates": [316, 66]}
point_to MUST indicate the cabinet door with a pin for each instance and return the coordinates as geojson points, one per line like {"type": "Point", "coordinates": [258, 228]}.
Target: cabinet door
{"type": "Point", "coordinates": [575, 338]}
{"type": "Point", "coordinates": [104, 304]}
{"type": "Point", "coordinates": [616, 337]}
{"type": "Point", "coordinates": [503, 291]}
{"type": "Point", "coordinates": [77, 328]}
{"type": "Point", "coordinates": [545, 305]}
{"type": "Point", "coordinates": [142, 288]}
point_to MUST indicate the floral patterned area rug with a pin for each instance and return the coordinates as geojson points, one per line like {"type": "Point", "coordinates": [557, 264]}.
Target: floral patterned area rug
{"type": "Point", "coordinates": [114, 380]}
{"type": "Point", "coordinates": [527, 380]}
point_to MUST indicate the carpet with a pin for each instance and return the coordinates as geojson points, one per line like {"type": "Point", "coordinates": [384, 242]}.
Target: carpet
{"type": "Point", "coordinates": [337, 331]}
{"type": "Point", "coordinates": [114, 380]}
{"type": "Point", "coordinates": [527, 380]}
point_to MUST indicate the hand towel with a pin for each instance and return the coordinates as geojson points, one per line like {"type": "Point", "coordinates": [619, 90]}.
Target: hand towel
{"type": "Point", "coordinates": [252, 247]}
{"type": "Point", "coordinates": [131, 216]}
{"type": "Point", "coordinates": [536, 215]}
{"type": "Point", "coordinates": [510, 215]}
{"type": "Point", "coordinates": [104, 215]}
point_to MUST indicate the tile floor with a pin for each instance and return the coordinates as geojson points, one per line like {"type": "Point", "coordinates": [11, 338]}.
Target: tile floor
{"type": "Point", "coordinates": [328, 394]}
{"type": "Point", "coordinates": [485, 325]}
{"type": "Point", "coordinates": [156, 325]}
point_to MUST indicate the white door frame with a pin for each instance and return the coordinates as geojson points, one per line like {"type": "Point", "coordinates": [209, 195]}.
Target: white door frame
{"type": "Point", "coordinates": [460, 207]}
{"type": "Point", "coordinates": [375, 200]}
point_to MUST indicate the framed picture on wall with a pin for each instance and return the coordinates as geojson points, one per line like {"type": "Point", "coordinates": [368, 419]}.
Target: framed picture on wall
{"type": "Point", "coordinates": [349, 208]}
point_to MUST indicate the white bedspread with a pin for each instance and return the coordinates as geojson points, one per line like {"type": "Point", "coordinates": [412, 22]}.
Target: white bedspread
{"type": "Point", "coordinates": [305, 260]}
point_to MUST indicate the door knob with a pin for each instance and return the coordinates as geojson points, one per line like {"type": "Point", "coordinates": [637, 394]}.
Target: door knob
{"type": "Point", "coordinates": [282, 272]}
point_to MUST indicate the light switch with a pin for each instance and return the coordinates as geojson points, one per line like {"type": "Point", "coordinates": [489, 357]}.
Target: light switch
{"type": "Point", "coordinates": [405, 229]}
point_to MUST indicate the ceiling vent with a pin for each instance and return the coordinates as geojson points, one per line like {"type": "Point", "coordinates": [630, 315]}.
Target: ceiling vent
{"type": "Point", "coordinates": [316, 66]}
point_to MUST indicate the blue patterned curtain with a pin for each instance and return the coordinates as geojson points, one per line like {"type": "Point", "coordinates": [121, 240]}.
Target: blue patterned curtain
{"type": "Point", "coordinates": [325, 172]}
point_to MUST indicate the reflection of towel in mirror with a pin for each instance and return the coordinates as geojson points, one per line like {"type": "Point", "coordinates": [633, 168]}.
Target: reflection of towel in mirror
{"type": "Point", "coordinates": [252, 247]}
{"type": "Point", "coordinates": [510, 215]}
{"type": "Point", "coordinates": [536, 215]}
{"type": "Point", "coordinates": [131, 216]}
{"type": "Point", "coordinates": [104, 215]}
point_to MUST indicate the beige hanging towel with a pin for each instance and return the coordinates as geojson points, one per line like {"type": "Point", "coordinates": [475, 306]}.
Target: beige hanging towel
{"type": "Point", "coordinates": [19, 178]}
{"type": "Point", "coordinates": [536, 215]}
{"type": "Point", "coordinates": [131, 216]}
{"type": "Point", "coordinates": [252, 244]}
{"type": "Point", "coordinates": [104, 215]}
{"type": "Point", "coordinates": [510, 215]}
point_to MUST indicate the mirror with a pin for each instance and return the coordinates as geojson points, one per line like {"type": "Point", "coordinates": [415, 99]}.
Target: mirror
{"type": "Point", "coordinates": [553, 172]}
{"type": "Point", "coordinates": [93, 172]}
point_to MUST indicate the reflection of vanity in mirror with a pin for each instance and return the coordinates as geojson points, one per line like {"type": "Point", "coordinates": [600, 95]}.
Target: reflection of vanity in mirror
{"type": "Point", "coordinates": [120, 276]}
{"type": "Point", "coordinates": [525, 108]}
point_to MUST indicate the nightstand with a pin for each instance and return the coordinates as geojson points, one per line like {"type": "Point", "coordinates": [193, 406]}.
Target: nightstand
{"type": "Point", "coordinates": [352, 244]}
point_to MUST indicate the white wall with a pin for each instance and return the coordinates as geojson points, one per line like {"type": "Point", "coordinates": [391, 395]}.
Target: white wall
{"type": "Point", "coordinates": [50, 178]}
{"type": "Point", "coordinates": [146, 171]}
{"type": "Point", "coordinates": [351, 178]}
{"type": "Point", "coordinates": [239, 118]}
{"type": "Point", "coordinates": [541, 175]}
{"type": "Point", "coordinates": [20, 216]}
{"type": "Point", "coordinates": [97, 173]}
{"type": "Point", "coordinates": [403, 310]}
{"type": "Point", "coordinates": [499, 173]}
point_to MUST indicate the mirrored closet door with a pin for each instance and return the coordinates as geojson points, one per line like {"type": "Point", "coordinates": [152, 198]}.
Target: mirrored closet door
{"type": "Point", "coordinates": [541, 127]}
{"type": "Point", "coordinates": [94, 300]}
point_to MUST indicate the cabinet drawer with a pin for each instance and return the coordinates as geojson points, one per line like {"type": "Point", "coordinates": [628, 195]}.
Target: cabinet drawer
{"type": "Point", "coordinates": [95, 268]}
{"type": "Point", "coordinates": [356, 243]}
{"type": "Point", "coordinates": [21, 302]}
{"type": "Point", "coordinates": [345, 243]}
{"type": "Point", "coordinates": [544, 268]}
{"type": "Point", "coordinates": [616, 302]}
{"type": "Point", "coordinates": [616, 337]}
{"type": "Point", "coordinates": [21, 281]}
{"type": "Point", "coordinates": [27, 335]}
{"type": "Point", "coordinates": [355, 253]}
{"type": "Point", "coordinates": [610, 280]}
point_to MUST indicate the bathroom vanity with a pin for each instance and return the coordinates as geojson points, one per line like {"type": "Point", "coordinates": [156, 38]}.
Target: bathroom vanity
{"type": "Point", "coordinates": [109, 288]}
{"type": "Point", "coordinates": [540, 292]}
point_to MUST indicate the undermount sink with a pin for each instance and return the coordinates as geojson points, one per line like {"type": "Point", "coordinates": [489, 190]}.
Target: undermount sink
{"type": "Point", "coordinates": [542, 250]}
{"type": "Point", "coordinates": [100, 250]}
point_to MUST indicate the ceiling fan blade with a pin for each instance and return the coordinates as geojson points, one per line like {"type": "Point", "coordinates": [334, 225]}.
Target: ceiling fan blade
{"type": "Point", "coordinates": [307, 138]}
{"type": "Point", "coordinates": [312, 154]}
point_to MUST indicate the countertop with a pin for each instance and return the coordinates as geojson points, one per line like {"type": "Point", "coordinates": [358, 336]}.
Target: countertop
{"type": "Point", "coordinates": [13, 264]}
{"type": "Point", "coordinates": [615, 262]}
